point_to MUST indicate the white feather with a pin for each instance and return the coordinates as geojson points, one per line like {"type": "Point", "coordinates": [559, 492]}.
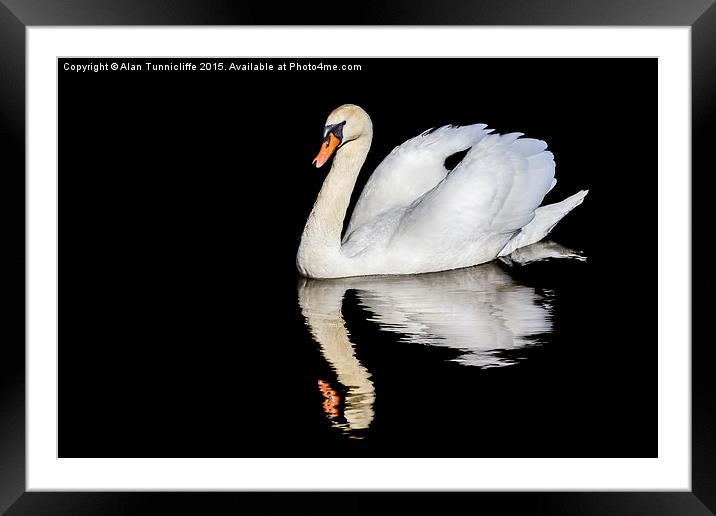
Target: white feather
{"type": "Point", "coordinates": [411, 169]}
{"type": "Point", "coordinates": [415, 216]}
{"type": "Point", "coordinates": [546, 217]}
{"type": "Point", "coordinates": [471, 214]}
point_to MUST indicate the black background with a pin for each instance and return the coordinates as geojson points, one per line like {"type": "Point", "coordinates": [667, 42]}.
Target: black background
{"type": "Point", "coordinates": [182, 199]}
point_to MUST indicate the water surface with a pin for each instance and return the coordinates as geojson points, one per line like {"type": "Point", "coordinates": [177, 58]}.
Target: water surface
{"type": "Point", "coordinates": [480, 312]}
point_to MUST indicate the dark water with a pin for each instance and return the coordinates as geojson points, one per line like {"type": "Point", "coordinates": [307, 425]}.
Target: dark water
{"type": "Point", "coordinates": [185, 330]}
{"type": "Point", "coordinates": [502, 359]}
{"type": "Point", "coordinates": [481, 316]}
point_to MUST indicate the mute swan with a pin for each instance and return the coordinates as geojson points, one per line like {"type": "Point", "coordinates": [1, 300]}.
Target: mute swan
{"type": "Point", "coordinates": [414, 215]}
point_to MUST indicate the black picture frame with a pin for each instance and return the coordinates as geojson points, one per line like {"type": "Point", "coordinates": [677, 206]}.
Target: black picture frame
{"type": "Point", "coordinates": [17, 15]}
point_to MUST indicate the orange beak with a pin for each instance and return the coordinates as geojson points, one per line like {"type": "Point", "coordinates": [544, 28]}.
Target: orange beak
{"type": "Point", "coordinates": [327, 148]}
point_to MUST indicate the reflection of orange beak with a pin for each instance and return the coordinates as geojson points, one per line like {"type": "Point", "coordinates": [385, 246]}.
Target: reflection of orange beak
{"type": "Point", "coordinates": [328, 147]}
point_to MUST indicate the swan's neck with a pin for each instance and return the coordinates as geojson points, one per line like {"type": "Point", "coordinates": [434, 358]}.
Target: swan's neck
{"type": "Point", "coordinates": [321, 240]}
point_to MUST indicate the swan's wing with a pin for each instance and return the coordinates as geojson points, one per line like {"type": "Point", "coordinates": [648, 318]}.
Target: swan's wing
{"type": "Point", "coordinates": [411, 169]}
{"type": "Point", "coordinates": [485, 200]}
{"type": "Point", "coordinates": [546, 217]}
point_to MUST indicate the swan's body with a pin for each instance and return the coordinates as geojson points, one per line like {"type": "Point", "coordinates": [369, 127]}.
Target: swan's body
{"type": "Point", "coordinates": [414, 215]}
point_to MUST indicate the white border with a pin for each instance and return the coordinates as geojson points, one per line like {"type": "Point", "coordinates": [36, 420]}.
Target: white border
{"type": "Point", "coordinates": [671, 471]}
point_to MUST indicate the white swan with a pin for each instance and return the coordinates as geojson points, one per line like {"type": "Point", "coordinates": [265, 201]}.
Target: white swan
{"type": "Point", "coordinates": [414, 215]}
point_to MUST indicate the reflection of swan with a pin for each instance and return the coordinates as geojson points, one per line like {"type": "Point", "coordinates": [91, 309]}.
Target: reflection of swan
{"type": "Point", "coordinates": [480, 312]}
{"type": "Point", "coordinates": [414, 215]}
{"type": "Point", "coordinates": [321, 306]}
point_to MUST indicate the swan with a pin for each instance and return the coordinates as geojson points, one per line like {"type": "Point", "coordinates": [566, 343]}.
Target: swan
{"type": "Point", "coordinates": [414, 215]}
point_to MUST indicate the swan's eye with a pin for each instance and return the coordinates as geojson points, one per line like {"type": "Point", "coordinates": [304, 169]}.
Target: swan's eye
{"type": "Point", "coordinates": [332, 139]}
{"type": "Point", "coordinates": [335, 129]}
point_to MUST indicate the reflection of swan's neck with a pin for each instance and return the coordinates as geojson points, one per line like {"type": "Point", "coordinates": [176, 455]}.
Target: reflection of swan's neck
{"type": "Point", "coordinates": [319, 251]}
{"type": "Point", "coordinates": [321, 306]}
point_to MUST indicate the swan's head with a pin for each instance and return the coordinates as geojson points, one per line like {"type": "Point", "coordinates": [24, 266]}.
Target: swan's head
{"type": "Point", "coordinates": [345, 123]}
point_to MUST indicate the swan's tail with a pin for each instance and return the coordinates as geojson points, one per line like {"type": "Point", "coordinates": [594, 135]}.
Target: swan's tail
{"type": "Point", "coordinates": [546, 217]}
